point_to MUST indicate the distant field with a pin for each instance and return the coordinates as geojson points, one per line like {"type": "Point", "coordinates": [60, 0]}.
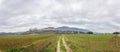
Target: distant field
{"type": "Point", "coordinates": [60, 42]}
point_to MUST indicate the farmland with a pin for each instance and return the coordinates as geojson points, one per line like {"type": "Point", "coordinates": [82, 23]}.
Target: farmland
{"type": "Point", "coordinates": [93, 43]}
{"type": "Point", "coordinates": [25, 43]}
{"type": "Point", "coordinates": [60, 43]}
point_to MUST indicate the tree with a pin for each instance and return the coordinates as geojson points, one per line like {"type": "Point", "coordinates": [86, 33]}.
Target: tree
{"type": "Point", "coordinates": [89, 32]}
{"type": "Point", "coordinates": [116, 32]}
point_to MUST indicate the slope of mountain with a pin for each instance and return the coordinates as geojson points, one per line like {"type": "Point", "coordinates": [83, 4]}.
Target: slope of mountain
{"type": "Point", "coordinates": [72, 29]}
{"type": "Point", "coordinates": [63, 29]}
{"type": "Point", "coordinates": [49, 30]}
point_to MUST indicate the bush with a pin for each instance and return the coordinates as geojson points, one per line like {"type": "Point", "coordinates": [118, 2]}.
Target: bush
{"type": "Point", "coordinates": [116, 32]}
{"type": "Point", "coordinates": [89, 32]}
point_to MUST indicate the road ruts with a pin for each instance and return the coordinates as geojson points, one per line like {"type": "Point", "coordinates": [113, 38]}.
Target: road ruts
{"type": "Point", "coordinates": [66, 46]}
{"type": "Point", "coordinates": [58, 46]}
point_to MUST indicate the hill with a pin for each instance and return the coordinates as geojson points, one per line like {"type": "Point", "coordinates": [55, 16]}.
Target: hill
{"type": "Point", "coordinates": [63, 29]}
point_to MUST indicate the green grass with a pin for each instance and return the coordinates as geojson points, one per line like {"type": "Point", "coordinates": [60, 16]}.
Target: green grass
{"type": "Point", "coordinates": [61, 45]}
{"type": "Point", "coordinates": [52, 47]}
{"type": "Point", "coordinates": [92, 43]}
{"type": "Point", "coordinates": [48, 43]}
{"type": "Point", "coordinates": [77, 48]}
{"type": "Point", "coordinates": [25, 43]}
{"type": "Point", "coordinates": [26, 49]}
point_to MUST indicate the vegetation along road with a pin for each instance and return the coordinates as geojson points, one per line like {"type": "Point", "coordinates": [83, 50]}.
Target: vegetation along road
{"type": "Point", "coordinates": [65, 47]}
{"type": "Point", "coordinates": [60, 43]}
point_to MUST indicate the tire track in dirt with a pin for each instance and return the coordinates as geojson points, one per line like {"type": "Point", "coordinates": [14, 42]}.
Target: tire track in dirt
{"type": "Point", "coordinates": [58, 46]}
{"type": "Point", "coordinates": [66, 46]}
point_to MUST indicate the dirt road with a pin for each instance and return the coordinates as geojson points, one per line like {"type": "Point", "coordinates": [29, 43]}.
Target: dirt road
{"type": "Point", "coordinates": [66, 46]}
{"type": "Point", "coordinates": [58, 46]}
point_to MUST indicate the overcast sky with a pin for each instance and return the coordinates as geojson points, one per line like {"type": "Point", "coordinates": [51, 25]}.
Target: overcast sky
{"type": "Point", "coordinates": [95, 15]}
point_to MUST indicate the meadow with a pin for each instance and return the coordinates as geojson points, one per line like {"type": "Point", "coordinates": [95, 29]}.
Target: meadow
{"type": "Point", "coordinates": [60, 43]}
{"type": "Point", "coordinates": [25, 43]}
{"type": "Point", "coordinates": [93, 43]}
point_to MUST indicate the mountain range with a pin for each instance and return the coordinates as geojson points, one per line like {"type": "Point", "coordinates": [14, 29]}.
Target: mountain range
{"type": "Point", "coordinates": [72, 29]}
{"type": "Point", "coordinates": [49, 30]}
{"type": "Point", "coordinates": [63, 29]}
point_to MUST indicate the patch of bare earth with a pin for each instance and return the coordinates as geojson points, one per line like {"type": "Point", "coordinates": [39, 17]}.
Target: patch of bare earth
{"type": "Point", "coordinates": [66, 46]}
{"type": "Point", "coordinates": [58, 46]}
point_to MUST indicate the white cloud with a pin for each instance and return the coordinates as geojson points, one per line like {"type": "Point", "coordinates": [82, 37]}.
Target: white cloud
{"type": "Point", "coordinates": [96, 15]}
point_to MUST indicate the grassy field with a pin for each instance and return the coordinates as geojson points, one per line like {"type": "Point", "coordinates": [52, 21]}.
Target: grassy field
{"type": "Point", "coordinates": [52, 46]}
{"type": "Point", "coordinates": [48, 43]}
{"type": "Point", "coordinates": [93, 43]}
{"type": "Point", "coordinates": [25, 43]}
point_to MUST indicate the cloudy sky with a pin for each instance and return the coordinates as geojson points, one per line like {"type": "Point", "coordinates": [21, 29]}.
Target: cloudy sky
{"type": "Point", "coordinates": [95, 15]}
